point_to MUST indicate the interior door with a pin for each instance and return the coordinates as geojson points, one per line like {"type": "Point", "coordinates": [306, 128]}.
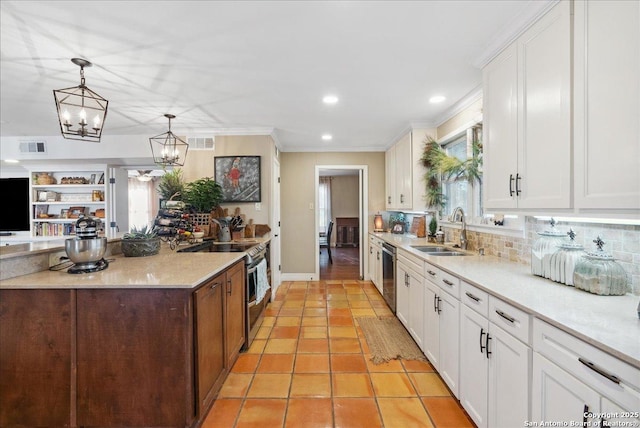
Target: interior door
{"type": "Point", "coordinates": [275, 240]}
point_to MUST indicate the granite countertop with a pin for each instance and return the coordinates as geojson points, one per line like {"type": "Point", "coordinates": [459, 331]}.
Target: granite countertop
{"type": "Point", "coordinates": [610, 323]}
{"type": "Point", "coordinates": [168, 269]}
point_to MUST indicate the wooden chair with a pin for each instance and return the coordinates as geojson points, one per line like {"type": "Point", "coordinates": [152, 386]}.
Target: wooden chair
{"type": "Point", "coordinates": [325, 241]}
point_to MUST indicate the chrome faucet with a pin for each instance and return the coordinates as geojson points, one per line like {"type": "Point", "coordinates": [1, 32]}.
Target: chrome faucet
{"type": "Point", "coordinates": [463, 232]}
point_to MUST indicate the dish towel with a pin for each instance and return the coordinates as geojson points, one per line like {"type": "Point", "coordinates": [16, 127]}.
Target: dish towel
{"type": "Point", "coordinates": [263, 281]}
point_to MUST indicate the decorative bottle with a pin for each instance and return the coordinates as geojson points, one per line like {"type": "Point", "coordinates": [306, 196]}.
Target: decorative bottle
{"type": "Point", "coordinates": [564, 260]}
{"type": "Point", "coordinates": [597, 272]}
{"type": "Point", "coordinates": [543, 248]}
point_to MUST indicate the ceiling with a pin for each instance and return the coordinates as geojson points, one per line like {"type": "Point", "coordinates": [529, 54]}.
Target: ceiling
{"type": "Point", "coordinates": [226, 67]}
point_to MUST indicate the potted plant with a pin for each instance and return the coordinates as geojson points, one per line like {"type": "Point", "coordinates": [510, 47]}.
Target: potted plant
{"type": "Point", "coordinates": [433, 228]}
{"type": "Point", "coordinates": [171, 186]}
{"type": "Point", "coordinates": [202, 195]}
{"type": "Point", "coordinates": [140, 242]}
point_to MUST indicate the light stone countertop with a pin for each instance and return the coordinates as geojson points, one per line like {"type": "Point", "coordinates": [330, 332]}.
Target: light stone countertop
{"type": "Point", "coordinates": [609, 323]}
{"type": "Point", "coordinates": [168, 269]}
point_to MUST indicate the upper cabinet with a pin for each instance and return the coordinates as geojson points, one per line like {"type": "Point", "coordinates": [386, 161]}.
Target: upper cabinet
{"type": "Point", "coordinates": [607, 105]}
{"type": "Point", "coordinates": [527, 118]}
{"type": "Point", "coordinates": [562, 114]}
{"type": "Point", "coordinates": [404, 173]}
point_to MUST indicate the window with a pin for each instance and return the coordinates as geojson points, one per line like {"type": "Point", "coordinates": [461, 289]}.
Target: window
{"type": "Point", "coordinates": [461, 192]}
{"type": "Point", "coordinates": [324, 204]}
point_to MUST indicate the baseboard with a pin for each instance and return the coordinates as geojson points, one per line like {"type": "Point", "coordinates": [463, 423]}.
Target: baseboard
{"type": "Point", "coordinates": [298, 277]}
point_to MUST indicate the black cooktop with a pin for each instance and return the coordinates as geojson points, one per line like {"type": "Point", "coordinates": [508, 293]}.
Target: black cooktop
{"type": "Point", "coordinates": [211, 247]}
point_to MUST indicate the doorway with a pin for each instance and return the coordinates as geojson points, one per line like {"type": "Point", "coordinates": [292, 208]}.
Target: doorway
{"type": "Point", "coordinates": [345, 206]}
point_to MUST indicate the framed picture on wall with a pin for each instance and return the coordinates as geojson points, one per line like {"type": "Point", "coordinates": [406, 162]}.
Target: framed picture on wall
{"type": "Point", "coordinates": [239, 177]}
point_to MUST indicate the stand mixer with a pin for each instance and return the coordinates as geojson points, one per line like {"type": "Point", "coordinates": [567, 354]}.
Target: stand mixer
{"type": "Point", "coordinates": [86, 250]}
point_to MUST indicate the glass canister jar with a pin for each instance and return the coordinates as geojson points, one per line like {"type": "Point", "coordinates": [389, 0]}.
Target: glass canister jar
{"type": "Point", "coordinates": [598, 273]}
{"type": "Point", "coordinates": [543, 248]}
{"type": "Point", "coordinates": [564, 260]}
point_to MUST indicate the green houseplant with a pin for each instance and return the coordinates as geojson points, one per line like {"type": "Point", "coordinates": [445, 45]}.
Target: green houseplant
{"type": "Point", "coordinates": [140, 242]}
{"type": "Point", "coordinates": [202, 195]}
{"type": "Point", "coordinates": [171, 185]}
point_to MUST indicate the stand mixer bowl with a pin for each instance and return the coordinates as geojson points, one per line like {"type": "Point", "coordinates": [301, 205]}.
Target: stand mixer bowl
{"type": "Point", "coordinates": [85, 252]}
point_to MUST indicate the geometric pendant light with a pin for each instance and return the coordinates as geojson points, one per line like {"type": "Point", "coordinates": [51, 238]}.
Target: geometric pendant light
{"type": "Point", "coordinates": [167, 149]}
{"type": "Point", "coordinates": [81, 112]}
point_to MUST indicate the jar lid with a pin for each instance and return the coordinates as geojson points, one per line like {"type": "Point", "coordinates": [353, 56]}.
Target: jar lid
{"type": "Point", "coordinates": [551, 231]}
{"type": "Point", "coordinates": [599, 253]}
{"type": "Point", "coordinates": [571, 245]}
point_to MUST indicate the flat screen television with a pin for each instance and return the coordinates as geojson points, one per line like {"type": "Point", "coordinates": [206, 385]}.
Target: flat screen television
{"type": "Point", "coordinates": [15, 213]}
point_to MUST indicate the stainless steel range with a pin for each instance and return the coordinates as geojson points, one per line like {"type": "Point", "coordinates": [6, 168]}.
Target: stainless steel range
{"type": "Point", "coordinates": [255, 254]}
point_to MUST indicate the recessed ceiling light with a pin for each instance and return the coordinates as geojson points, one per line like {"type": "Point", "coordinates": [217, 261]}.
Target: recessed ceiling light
{"type": "Point", "coordinates": [437, 99]}
{"type": "Point", "coordinates": [327, 137]}
{"type": "Point", "coordinates": [330, 99]}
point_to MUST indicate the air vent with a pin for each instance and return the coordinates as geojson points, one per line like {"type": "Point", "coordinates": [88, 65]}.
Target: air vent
{"type": "Point", "coordinates": [201, 143]}
{"type": "Point", "coordinates": [33, 147]}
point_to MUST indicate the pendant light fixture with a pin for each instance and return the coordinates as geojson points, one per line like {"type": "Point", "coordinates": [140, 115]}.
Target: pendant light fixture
{"type": "Point", "coordinates": [81, 112]}
{"type": "Point", "coordinates": [168, 149]}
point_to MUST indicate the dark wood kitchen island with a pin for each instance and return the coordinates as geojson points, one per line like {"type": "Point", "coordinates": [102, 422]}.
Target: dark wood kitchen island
{"type": "Point", "coordinates": [146, 342]}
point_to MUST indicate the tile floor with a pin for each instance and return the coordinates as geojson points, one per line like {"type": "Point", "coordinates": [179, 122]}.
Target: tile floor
{"type": "Point", "coordinates": [309, 367]}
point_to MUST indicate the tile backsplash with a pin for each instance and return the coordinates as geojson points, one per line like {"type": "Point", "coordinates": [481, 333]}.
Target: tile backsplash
{"type": "Point", "coordinates": [623, 241]}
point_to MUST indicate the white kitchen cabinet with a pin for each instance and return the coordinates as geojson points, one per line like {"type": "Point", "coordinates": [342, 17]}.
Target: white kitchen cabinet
{"type": "Point", "coordinates": [410, 295]}
{"type": "Point", "coordinates": [375, 262]}
{"type": "Point", "coordinates": [90, 190]}
{"type": "Point", "coordinates": [399, 186]}
{"type": "Point", "coordinates": [571, 377]}
{"type": "Point", "coordinates": [527, 118]}
{"type": "Point", "coordinates": [442, 330]}
{"type": "Point", "coordinates": [494, 365]}
{"type": "Point", "coordinates": [404, 182]}
{"type": "Point", "coordinates": [607, 105]}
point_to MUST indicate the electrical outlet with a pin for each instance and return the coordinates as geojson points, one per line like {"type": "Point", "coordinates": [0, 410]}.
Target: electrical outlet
{"type": "Point", "coordinates": [57, 258]}
{"type": "Point", "coordinates": [310, 205]}
{"type": "Point", "coordinates": [258, 206]}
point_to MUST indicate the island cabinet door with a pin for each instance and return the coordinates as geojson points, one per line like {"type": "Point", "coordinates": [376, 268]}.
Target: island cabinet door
{"type": "Point", "coordinates": [235, 307]}
{"type": "Point", "coordinates": [35, 357]}
{"type": "Point", "coordinates": [210, 356]}
{"type": "Point", "coordinates": [134, 358]}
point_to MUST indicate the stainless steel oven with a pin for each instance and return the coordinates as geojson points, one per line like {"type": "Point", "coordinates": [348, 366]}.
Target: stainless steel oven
{"type": "Point", "coordinates": [389, 275]}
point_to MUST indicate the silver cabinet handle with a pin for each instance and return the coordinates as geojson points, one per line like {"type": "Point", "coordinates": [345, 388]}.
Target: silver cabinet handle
{"type": "Point", "coordinates": [449, 283]}
{"type": "Point", "coordinates": [432, 273]}
{"type": "Point", "coordinates": [472, 297]}
{"type": "Point", "coordinates": [505, 316]}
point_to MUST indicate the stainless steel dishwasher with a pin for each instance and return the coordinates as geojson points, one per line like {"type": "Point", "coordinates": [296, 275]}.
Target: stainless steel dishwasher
{"type": "Point", "coordinates": [389, 275]}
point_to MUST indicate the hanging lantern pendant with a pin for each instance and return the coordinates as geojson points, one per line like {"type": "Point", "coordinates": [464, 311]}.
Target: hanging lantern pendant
{"type": "Point", "coordinates": [167, 149]}
{"type": "Point", "coordinates": [74, 103]}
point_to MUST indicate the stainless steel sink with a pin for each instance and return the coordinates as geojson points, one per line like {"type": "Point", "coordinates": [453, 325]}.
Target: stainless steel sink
{"type": "Point", "coordinates": [438, 251]}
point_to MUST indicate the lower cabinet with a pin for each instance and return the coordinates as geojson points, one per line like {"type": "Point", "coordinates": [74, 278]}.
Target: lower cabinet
{"type": "Point", "coordinates": [375, 262]}
{"type": "Point", "coordinates": [441, 333]}
{"type": "Point", "coordinates": [494, 364]}
{"type": "Point", "coordinates": [118, 357]}
{"type": "Point", "coordinates": [210, 355]}
{"type": "Point", "coordinates": [573, 381]}
{"type": "Point", "coordinates": [410, 295]}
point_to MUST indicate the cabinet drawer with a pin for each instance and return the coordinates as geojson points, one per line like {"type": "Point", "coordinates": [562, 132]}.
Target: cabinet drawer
{"type": "Point", "coordinates": [474, 298]}
{"type": "Point", "coordinates": [449, 283]}
{"type": "Point", "coordinates": [511, 319]}
{"type": "Point", "coordinates": [412, 262]}
{"type": "Point", "coordinates": [432, 273]}
{"type": "Point", "coordinates": [606, 374]}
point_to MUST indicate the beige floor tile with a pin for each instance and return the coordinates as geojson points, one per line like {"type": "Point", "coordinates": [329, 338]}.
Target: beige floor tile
{"type": "Point", "coordinates": [257, 346]}
{"type": "Point", "coordinates": [270, 385]}
{"type": "Point", "coordinates": [262, 413]}
{"type": "Point", "coordinates": [429, 384]}
{"type": "Point", "coordinates": [403, 412]}
{"type": "Point", "coordinates": [280, 346]}
{"type": "Point", "coordinates": [314, 332]}
{"type": "Point", "coordinates": [286, 321]}
{"type": "Point", "coordinates": [336, 332]}
{"type": "Point", "coordinates": [356, 413]}
{"type": "Point", "coordinates": [392, 385]}
{"type": "Point", "coordinates": [276, 363]}
{"type": "Point", "coordinates": [312, 363]}
{"type": "Point", "coordinates": [351, 385]}
{"type": "Point", "coordinates": [236, 385]}
{"type": "Point", "coordinates": [310, 385]}
{"type": "Point", "coordinates": [314, 321]}
{"type": "Point", "coordinates": [263, 332]}
{"type": "Point", "coordinates": [316, 346]}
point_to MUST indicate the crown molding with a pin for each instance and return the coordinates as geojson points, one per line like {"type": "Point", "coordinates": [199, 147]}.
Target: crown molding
{"type": "Point", "coordinates": [474, 95]}
{"type": "Point", "coordinates": [532, 12]}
